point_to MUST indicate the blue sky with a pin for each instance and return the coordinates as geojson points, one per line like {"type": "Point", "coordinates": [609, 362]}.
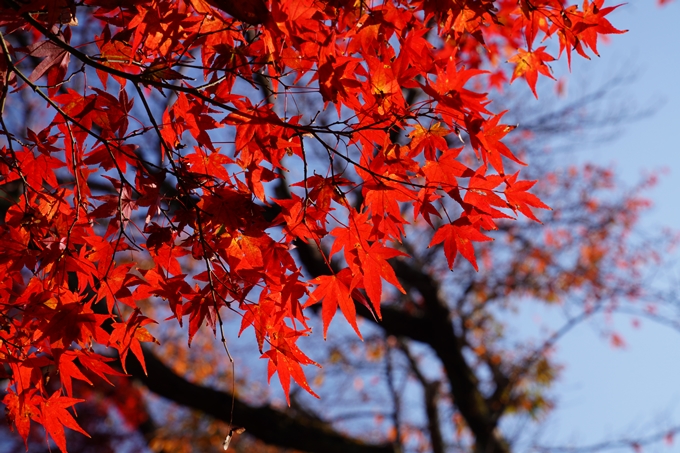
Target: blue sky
{"type": "Point", "coordinates": [607, 393]}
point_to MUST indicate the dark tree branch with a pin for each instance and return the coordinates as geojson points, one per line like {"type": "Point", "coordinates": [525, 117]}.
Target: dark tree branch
{"type": "Point", "coordinates": [467, 396]}
{"type": "Point", "coordinates": [267, 424]}
{"type": "Point", "coordinates": [431, 390]}
{"type": "Point", "coordinates": [396, 400]}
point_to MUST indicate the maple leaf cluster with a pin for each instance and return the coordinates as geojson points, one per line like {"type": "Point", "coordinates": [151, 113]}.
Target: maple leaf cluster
{"type": "Point", "coordinates": [152, 175]}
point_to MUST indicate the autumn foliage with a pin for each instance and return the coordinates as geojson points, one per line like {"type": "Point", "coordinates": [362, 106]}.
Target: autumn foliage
{"type": "Point", "coordinates": [175, 156]}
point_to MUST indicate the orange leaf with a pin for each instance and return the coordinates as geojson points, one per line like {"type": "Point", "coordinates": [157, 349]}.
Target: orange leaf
{"type": "Point", "coordinates": [529, 64]}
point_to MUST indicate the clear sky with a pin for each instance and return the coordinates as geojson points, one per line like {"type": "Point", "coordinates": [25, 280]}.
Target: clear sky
{"type": "Point", "coordinates": [607, 393]}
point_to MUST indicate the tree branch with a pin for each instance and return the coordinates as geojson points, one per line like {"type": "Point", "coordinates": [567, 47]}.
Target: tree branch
{"type": "Point", "coordinates": [431, 395]}
{"type": "Point", "coordinates": [267, 424]}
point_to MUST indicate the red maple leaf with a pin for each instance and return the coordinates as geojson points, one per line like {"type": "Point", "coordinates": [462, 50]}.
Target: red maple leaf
{"type": "Point", "coordinates": [457, 238]}
{"type": "Point", "coordinates": [335, 291]}
{"type": "Point", "coordinates": [592, 24]}
{"type": "Point", "coordinates": [21, 409]}
{"type": "Point", "coordinates": [521, 200]}
{"type": "Point", "coordinates": [529, 64]}
{"type": "Point", "coordinates": [285, 359]}
{"type": "Point", "coordinates": [126, 336]}
{"type": "Point", "coordinates": [55, 62]}
{"type": "Point", "coordinates": [375, 268]}
{"type": "Point", "coordinates": [54, 416]}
